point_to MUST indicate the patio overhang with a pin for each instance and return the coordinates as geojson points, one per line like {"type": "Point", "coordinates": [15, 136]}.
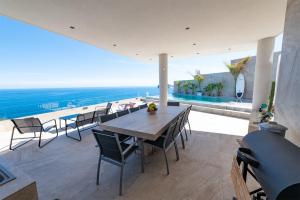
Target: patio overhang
{"type": "Point", "coordinates": [143, 29]}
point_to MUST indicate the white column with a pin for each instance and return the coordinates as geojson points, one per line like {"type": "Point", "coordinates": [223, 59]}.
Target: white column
{"type": "Point", "coordinates": [262, 77]}
{"type": "Point", "coordinates": [163, 79]}
{"type": "Point", "coordinates": [263, 72]}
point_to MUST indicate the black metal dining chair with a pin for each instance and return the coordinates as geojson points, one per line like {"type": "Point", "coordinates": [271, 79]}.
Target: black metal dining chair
{"type": "Point", "coordinates": [105, 118]}
{"type": "Point", "coordinates": [165, 142]}
{"type": "Point", "coordinates": [178, 129]}
{"type": "Point", "coordinates": [186, 120]}
{"type": "Point", "coordinates": [143, 106]}
{"type": "Point", "coordinates": [122, 113]}
{"type": "Point", "coordinates": [32, 125]}
{"type": "Point", "coordinates": [112, 151]}
{"type": "Point", "coordinates": [133, 109]}
{"type": "Point", "coordinates": [173, 103]}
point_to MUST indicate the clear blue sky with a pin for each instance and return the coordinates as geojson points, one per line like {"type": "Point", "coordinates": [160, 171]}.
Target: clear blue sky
{"type": "Point", "coordinates": [31, 57]}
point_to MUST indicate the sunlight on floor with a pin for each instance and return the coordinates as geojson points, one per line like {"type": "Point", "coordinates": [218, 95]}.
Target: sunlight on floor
{"type": "Point", "coordinates": [218, 124]}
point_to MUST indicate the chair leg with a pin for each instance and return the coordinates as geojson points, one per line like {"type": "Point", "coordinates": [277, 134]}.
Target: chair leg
{"type": "Point", "coordinates": [186, 137]}
{"type": "Point", "coordinates": [121, 180]}
{"type": "Point", "coordinates": [11, 139]}
{"type": "Point", "coordinates": [166, 159]}
{"type": "Point", "coordinates": [189, 126]}
{"type": "Point", "coordinates": [98, 170]}
{"type": "Point", "coordinates": [182, 141]}
{"type": "Point", "coordinates": [176, 151]}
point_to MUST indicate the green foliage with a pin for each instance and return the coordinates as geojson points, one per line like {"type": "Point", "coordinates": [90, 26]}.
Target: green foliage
{"type": "Point", "coordinates": [219, 87]}
{"type": "Point", "coordinates": [199, 78]}
{"type": "Point", "coordinates": [178, 85]}
{"type": "Point", "coordinates": [211, 87]}
{"type": "Point", "coordinates": [271, 97]}
{"type": "Point", "coordinates": [193, 87]}
{"type": "Point", "coordinates": [236, 68]}
{"type": "Point", "coordinates": [186, 86]}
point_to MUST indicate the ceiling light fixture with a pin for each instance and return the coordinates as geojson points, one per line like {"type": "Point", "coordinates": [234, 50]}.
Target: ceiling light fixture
{"type": "Point", "coordinates": [114, 45]}
{"type": "Point", "coordinates": [72, 27]}
{"type": "Point", "coordinates": [194, 44]}
{"type": "Point", "coordinates": [187, 28]}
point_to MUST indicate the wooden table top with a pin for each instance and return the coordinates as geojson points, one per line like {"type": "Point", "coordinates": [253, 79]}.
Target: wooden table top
{"type": "Point", "coordinates": [141, 124]}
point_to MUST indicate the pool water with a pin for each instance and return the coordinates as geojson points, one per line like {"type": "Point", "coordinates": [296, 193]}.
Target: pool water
{"type": "Point", "coordinates": [201, 99]}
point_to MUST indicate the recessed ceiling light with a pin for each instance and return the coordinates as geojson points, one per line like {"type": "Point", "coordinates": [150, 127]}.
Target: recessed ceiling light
{"type": "Point", "coordinates": [114, 45]}
{"type": "Point", "coordinates": [72, 27]}
{"type": "Point", "coordinates": [187, 28]}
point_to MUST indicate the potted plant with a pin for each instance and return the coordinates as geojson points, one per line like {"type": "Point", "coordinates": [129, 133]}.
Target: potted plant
{"type": "Point", "coordinates": [185, 86]}
{"type": "Point", "coordinates": [219, 87]}
{"type": "Point", "coordinates": [193, 87]}
{"type": "Point", "coordinates": [209, 89]}
{"type": "Point", "coordinates": [178, 85]}
{"type": "Point", "coordinates": [236, 68]}
{"type": "Point", "coordinates": [152, 108]}
{"type": "Point", "coordinates": [199, 78]}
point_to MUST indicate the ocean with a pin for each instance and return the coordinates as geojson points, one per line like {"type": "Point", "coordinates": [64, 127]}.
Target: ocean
{"type": "Point", "coordinates": [24, 102]}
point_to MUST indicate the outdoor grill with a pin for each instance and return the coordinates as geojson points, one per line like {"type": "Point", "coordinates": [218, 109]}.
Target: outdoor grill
{"type": "Point", "coordinates": [275, 164]}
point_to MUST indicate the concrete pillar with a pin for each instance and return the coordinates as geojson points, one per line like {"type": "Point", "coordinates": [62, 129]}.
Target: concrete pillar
{"type": "Point", "coordinates": [262, 77]}
{"type": "Point", "coordinates": [163, 79]}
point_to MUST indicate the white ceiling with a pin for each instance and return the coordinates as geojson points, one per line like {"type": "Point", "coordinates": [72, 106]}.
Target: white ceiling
{"type": "Point", "coordinates": [144, 28]}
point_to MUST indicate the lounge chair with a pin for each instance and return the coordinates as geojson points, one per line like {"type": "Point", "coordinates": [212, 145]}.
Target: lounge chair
{"type": "Point", "coordinates": [32, 125]}
{"type": "Point", "coordinates": [102, 110]}
{"type": "Point", "coordinates": [113, 151]}
{"type": "Point", "coordinates": [81, 121]}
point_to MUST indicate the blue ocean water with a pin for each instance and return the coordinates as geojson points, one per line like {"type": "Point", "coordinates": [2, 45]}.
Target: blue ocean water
{"type": "Point", "coordinates": [23, 102]}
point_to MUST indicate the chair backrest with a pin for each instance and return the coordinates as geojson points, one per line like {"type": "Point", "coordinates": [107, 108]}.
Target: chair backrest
{"type": "Point", "coordinates": [169, 136]}
{"type": "Point", "coordinates": [179, 126]}
{"type": "Point", "coordinates": [122, 113]}
{"type": "Point", "coordinates": [134, 109]}
{"type": "Point", "coordinates": [109, 145]}
{"type": "Point", "coordinates": [108, 108]}
{"type": "Point", "coordinates": [105, 118]}
{"type": "Point", "coordinates": [143, 106]}
{"type": "Point", "coordinates": [173, 103]}
{"type": "Point", "coordinates": [27, 125]}
{"type": "Point", "coordinates": [186, 116]}
{"type": "Point", "coordinates": [86, 118]}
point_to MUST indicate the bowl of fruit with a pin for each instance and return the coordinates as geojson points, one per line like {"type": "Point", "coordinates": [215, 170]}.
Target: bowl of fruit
{"type": "Point", "coordinates": [152, 108]}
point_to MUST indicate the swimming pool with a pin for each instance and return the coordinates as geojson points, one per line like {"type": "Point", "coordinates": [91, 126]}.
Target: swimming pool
{"type": "Point", "coordinates": [200, 99]}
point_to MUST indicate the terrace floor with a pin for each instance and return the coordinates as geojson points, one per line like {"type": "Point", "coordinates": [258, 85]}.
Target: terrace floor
{"type": "Point", "coordinates": [66, 169]}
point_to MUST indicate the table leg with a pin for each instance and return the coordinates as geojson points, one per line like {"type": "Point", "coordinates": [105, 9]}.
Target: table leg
{"type": "Point", "coordinates": [141, 146]}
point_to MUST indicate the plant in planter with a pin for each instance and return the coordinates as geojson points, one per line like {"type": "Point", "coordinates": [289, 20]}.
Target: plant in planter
{"type": "Point", "coordinates": [193, 87]}
{"type": "Point", "coordinates": [219, 87]}
{"type": "Point", "coordinates": [178, 85]}
{"type": "Point", "coordinates": [236, 68]}
{"type": "Point", "coordinates": [209, 89]}
{"type": "Point", "coordinates": [199, 78]}
{"type": "Point", "coordinates": [186, 86]}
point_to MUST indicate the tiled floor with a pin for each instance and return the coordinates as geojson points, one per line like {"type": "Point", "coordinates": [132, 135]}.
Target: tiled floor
{"type": "Point", "coordinates": [66, 169]}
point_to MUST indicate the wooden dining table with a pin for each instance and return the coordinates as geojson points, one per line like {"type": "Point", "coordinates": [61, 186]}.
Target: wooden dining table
{"type": "Point", "coordinates": [143, 125]}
